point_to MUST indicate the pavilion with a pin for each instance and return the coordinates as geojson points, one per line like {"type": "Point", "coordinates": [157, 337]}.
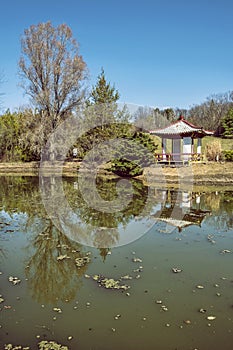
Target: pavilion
{"type": "Point", "coordinates": [182, 133]}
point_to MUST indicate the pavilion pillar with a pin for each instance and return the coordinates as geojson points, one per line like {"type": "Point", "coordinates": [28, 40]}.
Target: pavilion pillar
{"type": "Point", "coordinates": [199, 145]}
{"type": "Point", "coordinates": [164, 146]}
{"type": "Point", "coordinates": [176, 143]}
{"type": "Point", "coordinates": [187, 148]}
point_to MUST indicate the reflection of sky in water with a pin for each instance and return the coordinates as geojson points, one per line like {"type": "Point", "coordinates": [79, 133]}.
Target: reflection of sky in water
{"type": "Point", "coordinates": [134, 230]}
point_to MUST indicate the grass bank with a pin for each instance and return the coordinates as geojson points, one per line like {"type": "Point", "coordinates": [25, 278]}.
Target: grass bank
{"type": "Point", "coordinates": [211, 173]}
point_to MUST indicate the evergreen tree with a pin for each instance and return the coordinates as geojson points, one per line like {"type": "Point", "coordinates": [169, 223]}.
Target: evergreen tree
{"type": "Point", "coordinates": [134, 154]}
{"type": "Point", "coordinates": [227, 124]}
{"type": "Point", "coordinates": [103, 92]}
{"type": "Point", "coordinates": [102, 117]}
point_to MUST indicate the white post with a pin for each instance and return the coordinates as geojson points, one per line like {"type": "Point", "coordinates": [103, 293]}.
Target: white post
{"type": "Point", "coordinates": [187, 148]}
{"type": "Point", "coordinates": [199, 146]}
{"type": "Point", "coordinates": [164, 146]}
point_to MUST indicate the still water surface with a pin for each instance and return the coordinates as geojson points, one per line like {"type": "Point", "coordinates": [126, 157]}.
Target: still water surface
{"type": "Point", "coordinates": [54, 299]}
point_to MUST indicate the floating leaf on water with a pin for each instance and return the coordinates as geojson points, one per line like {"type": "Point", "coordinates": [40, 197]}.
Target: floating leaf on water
{"type": "Point", "coordinates": [202, 311]}
{"type": "Point", "coordinates": [62, 257]}
{"type": "Point", "coordinates": [51, 345]}
{"type": "Point", "coordinates": [80, 262]}
{"type": "Point", "coordinates": [224, 251]}
{"type": "Point", "coordinates": [211, 318]}
{"type": "Point", "coordinates": [16, 347]}
{"type": "Point", "coordinates": [109, 283]}
{"type": "Point", "coordinates": [126, 277]}
{"type": "Point", "coordinates": [187, 322]}
{"type": "Point", "coordinates": [176, 270]}
{"type": "Point", "coordinates": [14, 280]}
{"type": "Point", "coordinates": [57, 309]}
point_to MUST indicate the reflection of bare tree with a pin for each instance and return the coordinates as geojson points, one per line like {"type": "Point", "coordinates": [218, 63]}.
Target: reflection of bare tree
{"type": "Point", "coordinates": [51, 271]}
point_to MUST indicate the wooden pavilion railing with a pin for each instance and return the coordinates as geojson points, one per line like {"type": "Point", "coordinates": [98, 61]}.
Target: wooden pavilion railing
{"type": "Point", "coordinates": [173, 158]}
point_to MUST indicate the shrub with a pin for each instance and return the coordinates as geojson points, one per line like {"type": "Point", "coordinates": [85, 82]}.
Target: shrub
{"type": "Point", "coordinates": [228, 155]}
{"type": "Point", "coordinates": [214, 150]}
{"type": "Point", "coordinates": [133, 154]}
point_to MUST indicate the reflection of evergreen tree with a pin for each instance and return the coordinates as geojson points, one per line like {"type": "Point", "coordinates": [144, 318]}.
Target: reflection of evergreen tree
{"type": "Point", "coordinates": [104, 252]}
{"type": "Point", "coordinates": [107, 189]}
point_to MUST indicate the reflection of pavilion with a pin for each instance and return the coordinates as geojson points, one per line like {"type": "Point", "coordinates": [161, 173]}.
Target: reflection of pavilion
{"type": "Point", "coordinates": [180, 209]}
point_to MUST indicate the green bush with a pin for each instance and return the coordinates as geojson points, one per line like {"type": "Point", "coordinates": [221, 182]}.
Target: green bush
{"type": "Point", "coordinates": [228, 155]}
{"type": "Point", "coordinates": [133, 154]}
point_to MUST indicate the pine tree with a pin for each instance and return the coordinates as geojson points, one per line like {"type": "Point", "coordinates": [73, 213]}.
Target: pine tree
{"type": "Point", "coordinates": [103, 92]}
{"type": "Point", "coordinates": [227, 124]}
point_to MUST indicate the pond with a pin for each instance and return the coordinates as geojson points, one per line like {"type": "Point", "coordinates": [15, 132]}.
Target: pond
{"type": "Point", "coordinates": [152, 270]}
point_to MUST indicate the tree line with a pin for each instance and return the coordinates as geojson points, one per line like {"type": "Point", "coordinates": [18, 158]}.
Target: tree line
{"type": "Point", "coordinates": [215, 114]}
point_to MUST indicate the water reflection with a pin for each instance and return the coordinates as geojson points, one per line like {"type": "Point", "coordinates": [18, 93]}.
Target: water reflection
{"type": "Point", "coordinates": [88, 221]}
{"type": "Point", "coordinates": [181, 209]}
{"type": "Point", "coordinates": [49, 278]}
{"type": "Point", "coordinates": [103, 229]}
{"type": "Point", "coordinates": [32, 246]}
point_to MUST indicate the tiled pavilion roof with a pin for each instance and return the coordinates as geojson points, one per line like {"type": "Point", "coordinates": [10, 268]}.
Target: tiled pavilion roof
{"type": "Point", "coordinates": [183, 128]}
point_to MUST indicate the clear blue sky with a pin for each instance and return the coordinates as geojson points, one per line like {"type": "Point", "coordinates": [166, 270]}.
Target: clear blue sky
{"type": "Point", "coordinates": [157, 53]}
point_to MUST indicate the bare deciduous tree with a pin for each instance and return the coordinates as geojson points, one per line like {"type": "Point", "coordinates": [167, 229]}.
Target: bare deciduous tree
{"type": "Point", "coordinates": [52, 71]}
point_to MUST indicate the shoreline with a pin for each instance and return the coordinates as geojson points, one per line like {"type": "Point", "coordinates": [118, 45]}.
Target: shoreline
{"type": "Point", "coordinates": [215, 173]}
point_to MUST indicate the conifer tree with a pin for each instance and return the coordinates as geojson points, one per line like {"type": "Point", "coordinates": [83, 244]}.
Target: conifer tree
{"type": "Point", "coordinates": [227, 124]}
{"type": "Point", "coordinates": [103, 92]}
